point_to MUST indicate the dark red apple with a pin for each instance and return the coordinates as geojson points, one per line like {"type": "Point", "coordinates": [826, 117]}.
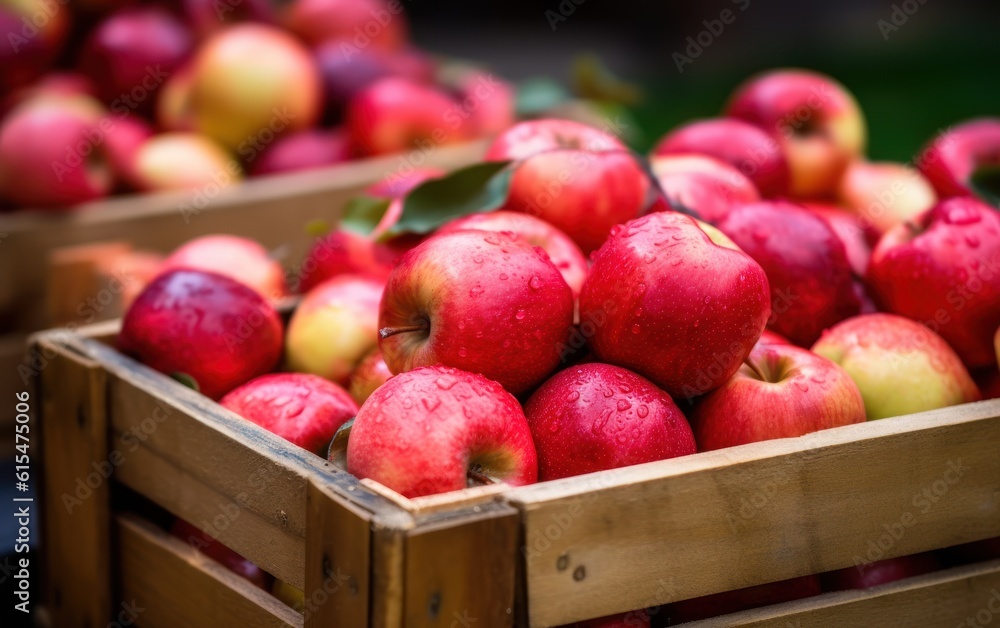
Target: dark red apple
{"type": "Point", "coordinates": [708, 187]}
{"type": "Point", "coordinates": [305, 150]}
{"type": "Point", "coordinates": [358, 23]}
{"type": "Point", "coordinates": [212, 548]}
{"type": "Point", "coordinates": [869, 575]}
{"type": "Point", "coordinates": [344, 253]}
{"type": "Point", "coordinates": [208, 16]}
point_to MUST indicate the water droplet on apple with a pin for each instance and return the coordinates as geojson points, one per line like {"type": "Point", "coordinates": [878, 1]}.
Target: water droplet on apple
{"type": "Point", "coordinates": [609, 393]}
{"type": "Point", "coordinates": [554, 427]}
{"type": "Point", "coordinates": [743, 277]}
{"type": "Point", "coordinates": [625, 388]}
{"type": "Point", "coordinates": [676, 261]}
{"type": "Point", "coordinates": [476, 291]}
{"type": "Point", "coordinates": [492, 239]}
{"type": "Point", "coordinates": [535, 282]}
{"type": "Point", "coordinates": [708, 300]}
{"type": "Point", "coordinates": [636, 329]}
{"type": "Point", "coordinates": [462, 352]}
{"type": "Point", "coordinates": [642, 411]}
{"type": "Point", "coordinates": [616, 230]}
{"type": "Point", "coordinates": [802, 386]}
{"type": "Point", "coordinates": [621, 438]}
{"type": "Point", "coordinates": [503, 276]}
{"type": "Point", "coordinates": [478, 258]}
{"type": "Point", "coordinates": [961, 216]}
{"type": "Point", "coordinates": [431, 404]}
{"type": "Point", "coordinates": [623, 405]}
{"type": "Point", "coordinates": [407, 403]}
{"type": "Point", "coordinates": [649, 258]}
{"type": "Point", "coordinates": [445, 382]}
{"type": "Point", "coordinates": [519, 315]}
{"type": "Point", "coordinates": [572, 396]}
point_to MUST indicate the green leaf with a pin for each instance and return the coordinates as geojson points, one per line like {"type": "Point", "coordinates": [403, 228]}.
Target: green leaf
{"type": "Point", "coordinates": [362, 213]}
{"type": "Point", "coordinates": [656, 191]}
{"type": "Point", "coordinates": [187, 380]}
{"type": "Point", "coordinates": [535, 97]}
{"type": "Point", "coordinates": [594, 81]}
{"type": "Point", "coordinates": [475, 189]}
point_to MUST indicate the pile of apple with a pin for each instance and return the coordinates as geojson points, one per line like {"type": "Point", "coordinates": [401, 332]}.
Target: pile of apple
{"type": "Point", "coordinates": [114, 96]}
{"type": "Point", "coordinates": [755, 279]}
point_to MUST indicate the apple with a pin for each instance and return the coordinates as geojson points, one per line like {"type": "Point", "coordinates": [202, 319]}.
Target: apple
{"type": "Point", "coordinates": [358, 24]}
{"type": "Point", "coordinates": [34, 32]}
{"type": "Point", "coordinates": [207, 326]}
{"type": "Point", "coordinates": [754, 153]}
{"type": "Point", "coordinates": [782, 391]}
{"type": "Point", "coordinates": [705, 185]}
{"type": "Point", "coordinates": [988, 381]}
{"type": "Point", "coordinates": [334, 327]}
{"type": "Point", "coordinates": [880, 572]}
{"type": "Point", "coordinates": [964, 160]}
{"type": "Point", "coordinates": [424, 431]}
{"type": "Point", "coordinates": [486, 103]}
{"type": "Point", "coordinates": [580, 179]}
{"type": "Point", "coordinates": [742, 599]}
{"type": "Point", "coordinates": [884, 195]}
{"type": "Point", "coordinates": [671, 304]}
{"type": "Point", "coordinates": [394, 115]}
{"type": "Point", "coordinates": [183, 161]}
{"type": "Point", "coordinates": [595, 417]}
{"type": "Point", "coordinates": [251, 83]}
{"type": "Point", "coordinates": [561, 250]}
{"type": "Point", "coordinates": [56, 85]}
{"type": "Point", "coordinates": [212, 548]}
{"type": "Point", "coordinates": [343, 253]}
{"type": "Point", "coordinates": [238, 258]}
{"type": "Point", "coordinates": [123, 138]}
{"type": "Point", "coordinates": [943, 270]}
{"type": "Point", "coordinates": [885, 353]}
{"type": "Point", "coordinates": [305, 410]}
{"type": "Point", "coordinates": [806, 264]}
{"type": "Point", "coordinates": [768, 337]}
{"type": "Point", "coordinates": [815, 120]}
{"type": "Point", "coordinates": [51, 155]}
{"type": "Point", "coordinates": [849, 230]}
{"type": "Point", "coordinates": [207, 17]}
{"type": "Point", "coordinates": [174, 109]}
{"type": "Point", "coordinates": [370, 373]}
{"type": "Point", "coordinates": [130, 54]}
{"type": "Point", "coordinates": [289, 595]}
{"type": "Point", "coordinates": [480, 301]}
{"type": "Point", "coordinates": [304, 150]}
{"type": "Point", "coordinates": [631, 619]}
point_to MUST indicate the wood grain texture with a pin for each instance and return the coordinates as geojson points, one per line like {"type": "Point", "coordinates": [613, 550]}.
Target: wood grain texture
{"type": "Point", "coordinates": [388, 569]}
{"type": "Point", "coordinates": [650, 534]}
{"type": "Point", "coordinates": [166, 582]}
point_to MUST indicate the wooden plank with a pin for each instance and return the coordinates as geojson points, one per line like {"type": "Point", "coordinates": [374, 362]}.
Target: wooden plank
{"type": "Point", "coordinates": [388, 571]}
{"type": "Point", "coordinates": [944, 599]}
{"type": "Point", "coordinates": [166, 582]}
{"type": "Point", "coordinates": [73, 456]}
{"type": "Point", "coordinates": [650, 534]}
{"type": "Point", "coordinates": [74, 277]}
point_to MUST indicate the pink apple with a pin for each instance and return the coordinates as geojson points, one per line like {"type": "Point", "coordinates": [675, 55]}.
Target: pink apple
{"type": "Point", "coordinates": [669, 303]}
{"type": "Point", "coordinates": [768, 337]}
{"type": "Point", "coordinates": [305, 150]}
{"type": "Point", "coordinates": [357, 23]}
{"type": "Point", "coordinates": [581, 180]}
{"type": "Point", "coordinates": [806, 265]}
{"type": "Point", "coordinates": [123, 139]}
{"type": "Point", "coordinates": [953, 158]}
{"type": "Point", "coordinates": [371, 373]}
{"type": "Point", "coordinates": [209, 16]}
{"type": "Point", "coordinates": [742, 599]}
{"type": "Point", "coordinates": [578, 427]}
{"type": "Point", "coordinates": [873, 574]}
{"type": "Point", "coordinates": [814, 118]}
{"type": "Point", "coordinates": [212, 328]}
{"type": "Point", "coordinates": [422, 432]}
{"type": "Point", "coordinates": [183, 161]}
{"type": "Point", "coordinates": [486, 103]}
{"type": "Point", "coordinates": [238, 258]}
{"type": "Point", "coordinates": [781, 392]}
{"type": "Point", "coordinates": [34, 32]}
{"type": "Point", "coordinates": [212, 548]}
{"type": "Point", "coordinates": [56, 85]}
{"type": "Point", "coordinates": [709, 187]}
{"type": "Point", "coordinates": [484, 302]}
{"type": "Point", "coordinates": [943, 270]}
{"type": "Point", "coordinates": [884, 195]}
{"type": "Point", "coordinates": [848, 228]}
{"type": "Point", "coordinates": [305, 410]}
{"type": "Point", "coordinates": [343, 253]}
{"type": "Point", "coordinates": [754, 153]}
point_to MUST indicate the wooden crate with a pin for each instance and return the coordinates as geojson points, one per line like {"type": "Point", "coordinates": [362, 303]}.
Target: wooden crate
{"type": "Point", "coordinates": [540, 555]}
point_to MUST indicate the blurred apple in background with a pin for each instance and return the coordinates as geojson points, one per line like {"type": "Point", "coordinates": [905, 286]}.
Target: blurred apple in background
{"type": "Point", "coordinates": [214, 549]}
{"type": "Point", "coordinates": [848, 228]}
{"type": "Point", "coordinates": [742, 599]}
{"type": "Point", "coordinates": [705, 185]}
{"type": "Point", "coordinates": [208, 16]}
{"type": "Point", "coordinates": [751, 151]}
{"type": "Point", "coordinates": [238, 258]}
{"type": "Point", "coordinates": [814, 118]}
{"type": "Point", "coordinates": [371, 373]}
{"type": "Point", "coordinates": [486, 102]}
{"type": "Point", "coordinates": [357, 24]}
{"type": "Point", "coordinates": [183, 161]}
{"type": "Point", "coordinates": [305, 150]}
{"type": "Point", "coordinates": [885, 353]}
{"type": "Point", "coordinates": [884, 195]}
{"type": "Point", "coordinates": [34, 32]}
{"type": "Point", "coordinates": [57, 85]}
{"type": "Point", "coordinates": [343, 253]}
{"type": "Point", "coordinates": [174, 109]}
{"type": "Point", "coordinates": [396, 187]}
{"type": "Point", "coordinates": [880, 572]}
{"type": "Point", "coordinates": [123, 139]}
{"type": "Point", "coordinates": [289, 595]}
{"type": "Point", "coordinates": [964, 160]}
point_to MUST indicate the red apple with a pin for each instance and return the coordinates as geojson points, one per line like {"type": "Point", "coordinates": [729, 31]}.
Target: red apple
{"type": "Point", "coordinates": [129, 55]}
{"type": "Point", "coordinates": [870, 575]}
{"type": "Point", "coordinates": [595, 417]}
{"type": "Point", "coordinates": [371, 373]}
{"type": "Point", "coordinates": [183, 161]}
{"type": "Point", "coordinates": [742, 599]}
{"type": "Point", "coordinates": [343, 253]}
{"type": "Point", "coordinates": [742, 145]}
{"type": "Point", "coordinates": [212, 548]}
{"type": "Point", "coordinates": [123, 139]}
{"type": "Point", "coordinates": [486, 103]}
{"type": "Point", "coordinates": [814, 118]}
{"type": "Point", "coordinates": [768, 337]}
{"type": "Point", "coordinates": [884, 194]}
{"type": "Point", "coordinates": [209, 16]}
{"type": "Point", "coordinates": [709, 187]}
{"type": "Point", "coordinates": [581, 180]}
{"type": "Point", "coordinates": [781, 392]}
{"type": "Point", "coordinates": [305, 150]}
{"type": "Point", "coordinates": [238, 258]}
{"type": "Point", "coordinates": [669, 303]}
{"type": "Point", "coordinates": [305, 410]}
{"type": "Point", "coordinates": [396, 186]}
{"type": "Point", "coordinates": [34, 32]}
{"type": "Point", "coordinates": [806, 265]}
{"type": "Point", "coordinates": [943, 270]}
{"type": "Point", "coordinates": [484, 302]}
{"type": "Point", "coordinates": [212, 328]}
{"type": "Point", "coordinates": [423, 431]}
{"type": "Point", "coordinates": [357, 23]}
{"type": "Point", "coordinates": [56, 85]}
{"type": "Point", "coordinates": [961, 154]}
{"type": "Point", "coordinates": [849, 230]}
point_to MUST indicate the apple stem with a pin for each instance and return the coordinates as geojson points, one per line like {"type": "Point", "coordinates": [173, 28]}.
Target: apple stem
{"type": "Point", "coordinates": [480, 478]}
{"type": "Point", "coordinates": [756, 369]}
{"type": "Point", "coordinates": [385, 332]}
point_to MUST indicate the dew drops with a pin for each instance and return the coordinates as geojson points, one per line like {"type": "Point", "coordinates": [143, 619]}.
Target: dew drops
{"type": "Point", "coordinates": [503, 276]}
{"type": "Point", "coordinates": [676, 261]}
{"type": "Point", "coordinates": [478, 258]}
{"type": "Point", "coordinates": [554, 427]}
{"type": "Point", "coordinates": [642, 411]}
{"type": "Point", "coordinates": [462, 352]}
{"type": "Point", "coordinates": [492, 239]}
{"type": "Point", "coordinates": [609, 393]}
{"type": "Point", "coordinates": [476, 291]}
{"type": "Point", "coordinates": [802, 386]}
{"type": "Point", "coordinates": [407, 403]}
{"type": "Point", "coordinates": [623, 405]}
{"type": "Point", "coordinates": [625, 389]}
{"type": "Point", "coordinates": [445, 382]}
{"type": "Point", "coordinates": [572, 396]}
{"type": "Point", "coordinates": [636, 329]}
{"type": "Point", "coordinates": [519, 315]}
{"type": "Point", "coordinates": [616, 230]}
{"type": "Point", "coordinates": [743, 277]}
{"type": "Point", "coordinates": [535, 282]}
{"type": "Point", "coordinates": [649, 258]}
{"type": "Point", "coordinates": [431, 403]}
{"type": "Point", "coordinates": [708, 300]}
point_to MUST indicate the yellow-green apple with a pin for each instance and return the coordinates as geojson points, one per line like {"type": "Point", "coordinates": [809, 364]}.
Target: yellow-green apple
{"type": "Point", "coordinates": [424, 431]}
{"type": "Point", "coordinates": [357, 24]}
{"type": "Point", "coordinates": [250, 83]}
{"type": "Point", "coordinates": [631, 619]}
{"type": "Point", "coordinates": [343, 253]}
{"type": "Point", "coordinates": [183, 161]}
{"type": "Point", "coordinates": [395, 114]}
{"type": "Point", "coordinates": [806, 264]}
{"type": "Point", "coordinates": [594, 417]}
{"type": "Point", "coordinates": [334, 327]}
{"type": "Point", "coordinates": [884, 194]}
{"type": "Point", "coordinates": [782, 391]}
{"type": "Point", "coordinates": [671, 304]}
{"type": "Point", "coordinates": [212, 548]}
{"type": "Point", "coordinates": [705, 185]}
{"type": "Point", "coordinates": [174, 108]}
{"type": "Point", "coordinates": [207, 326]}
{"type": "Point", "coordinates": [728, 602]}
{"type": "Point", "coordinates": [480, 301]}
{"type": "Point", "coordinates": [885, 353]}
{"type": "Point", "coordinates": [123, 137]}
{"type": "Point", "coordinates": [34, 32]}
{"type": "Point", "coordinates": [306, 410]}
{"type": "Point", "coordinates": [51, 154]}
{"type": "Point", "coordinates": [754, 153]}
{"type": "Point", "coordinates": [371, 373]}
{"type": "Point", "coordinates": [130, 54]}
{"type": "Point", "coordinates": [814, 118]}
{"type": "Point", "coordinates": [289, 595]}
{"type": "Point", "coordinates": [561, 250]}
{"type": "Point", "coordinates": [578, 178]}
{"type": "Point", "coordinates": [943, 270]}
{"type": "Point", "coordinates": [848, 228]}
{"type": "Point", "coordinates": [209, 16]}
{"type": "Point", "coordinates": [304, 150]}
{"type": "Point", "coordinates": [868, 575]}
{"type": "Point", "coordinates": [238, 258]}
{"type": "Point", "coordinates": [964, 160]}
